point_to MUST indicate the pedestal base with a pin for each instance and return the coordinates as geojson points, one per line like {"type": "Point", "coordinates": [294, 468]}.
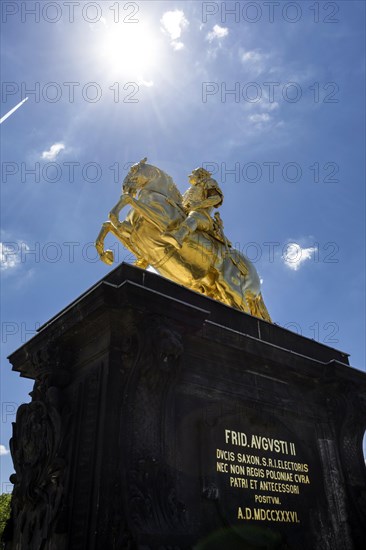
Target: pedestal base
{"type": "Point", "coordinates": [161, 419]}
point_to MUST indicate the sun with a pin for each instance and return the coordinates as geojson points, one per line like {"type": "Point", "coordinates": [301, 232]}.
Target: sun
{"type": "Point", "coordinates": [130, 50]}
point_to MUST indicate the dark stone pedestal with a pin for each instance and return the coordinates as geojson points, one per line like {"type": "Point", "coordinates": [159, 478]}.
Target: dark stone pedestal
{"type": "Point", "coordinates": [161, 419]}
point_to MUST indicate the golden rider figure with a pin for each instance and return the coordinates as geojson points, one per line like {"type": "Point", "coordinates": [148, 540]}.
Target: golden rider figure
{"type": "Point", "coordinates": [198, 202]}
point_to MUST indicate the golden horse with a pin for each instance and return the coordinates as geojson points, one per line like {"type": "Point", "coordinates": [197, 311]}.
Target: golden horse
{"type": "Point", "coordinates": [204, 264]}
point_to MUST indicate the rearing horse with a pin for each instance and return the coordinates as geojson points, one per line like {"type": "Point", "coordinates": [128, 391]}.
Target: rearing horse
{"type": "Point", "coordinates": [204, 263]}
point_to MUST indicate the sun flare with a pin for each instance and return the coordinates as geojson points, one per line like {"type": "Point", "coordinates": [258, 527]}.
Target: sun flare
{"type": "Point", "coordinates": [130, 50]}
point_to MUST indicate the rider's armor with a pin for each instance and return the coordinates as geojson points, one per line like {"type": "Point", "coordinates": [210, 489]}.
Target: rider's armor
{"type": "Point", "coordinates": [198, 215]}
{"type": "Point", "coordinates": [196, 194]}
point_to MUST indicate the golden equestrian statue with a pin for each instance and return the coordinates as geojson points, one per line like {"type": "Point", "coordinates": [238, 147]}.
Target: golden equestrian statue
{"type": "Point", "coordinates": [177, 236]}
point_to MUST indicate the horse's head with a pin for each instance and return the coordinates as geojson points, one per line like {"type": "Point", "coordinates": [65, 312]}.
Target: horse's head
{"type": "Point", "coordinates": [146, 175]}
{"type": "Point", "coordinates": [139, 174]}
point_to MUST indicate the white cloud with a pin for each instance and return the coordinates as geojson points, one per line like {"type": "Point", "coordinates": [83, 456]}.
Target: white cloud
{"type": "Point", "coordinates": [11, 254]}
{"type": "Point", "coordinates": [173, 23]}
{"type": "Point", "coordinates": [53, 152]}
{"type": "Point", "coordinates": [263, 117]}
{"type": "Point", "coordinates": [177, 45]}
{"type": "Point", "coordinates": [147, 83]}
{"type": "Point", "coordinates": [295, 255]}
{"type": "Point", "coordinates": [4, 450]}
{"type": "Point", "coordinates": [254, 61]}
{"type": "Point", "coordinates": [217, 32]}
{"type": "Point", "coordinates": [270, 106]}
{"type": "Point", "coordinates": [8, 258]}
{"type": "Point", "coordinates": [251, 56]}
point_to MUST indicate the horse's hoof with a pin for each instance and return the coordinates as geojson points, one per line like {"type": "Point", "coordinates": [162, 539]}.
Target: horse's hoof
{"type": "Point", "coordinates": [107, 257]}
{"type": "Point", "coordinates": [143, 264]}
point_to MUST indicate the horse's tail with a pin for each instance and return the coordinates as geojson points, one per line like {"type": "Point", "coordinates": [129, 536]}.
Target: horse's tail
{"type": "Point", "coordinates": [257, 306]}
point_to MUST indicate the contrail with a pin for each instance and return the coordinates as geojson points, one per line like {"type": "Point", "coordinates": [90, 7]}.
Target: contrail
{"type": "Point", "coordinates": [12, 110]}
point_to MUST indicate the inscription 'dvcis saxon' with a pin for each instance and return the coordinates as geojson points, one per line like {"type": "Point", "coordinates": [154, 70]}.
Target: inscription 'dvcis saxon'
{"type": "Point", "coordinates": [252, 469]}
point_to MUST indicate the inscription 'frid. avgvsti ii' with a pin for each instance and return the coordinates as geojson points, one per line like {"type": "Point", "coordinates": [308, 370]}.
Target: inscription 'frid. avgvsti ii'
{"type": "Point", "coordinates": [267, 469]}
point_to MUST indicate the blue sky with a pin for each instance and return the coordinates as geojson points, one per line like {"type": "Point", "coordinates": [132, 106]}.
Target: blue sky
{"type": "Point", "coordinates": [271, 101]}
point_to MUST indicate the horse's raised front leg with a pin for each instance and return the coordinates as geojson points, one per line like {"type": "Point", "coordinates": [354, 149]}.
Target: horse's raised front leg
{"type": "Point", "coordinates": [123, 235]}
{"type": "Point", "coordinates": [114, 213]}
{"type": "Point", "coordinates": [106, 256]}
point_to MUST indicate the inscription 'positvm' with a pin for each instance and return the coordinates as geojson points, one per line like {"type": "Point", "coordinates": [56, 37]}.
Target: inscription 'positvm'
{"type": "Point", "coordinates": [259, 474]}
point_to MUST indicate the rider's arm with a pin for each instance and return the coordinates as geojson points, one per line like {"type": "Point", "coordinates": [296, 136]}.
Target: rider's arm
{"type": "Point", "coordinates": [215, 200]}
